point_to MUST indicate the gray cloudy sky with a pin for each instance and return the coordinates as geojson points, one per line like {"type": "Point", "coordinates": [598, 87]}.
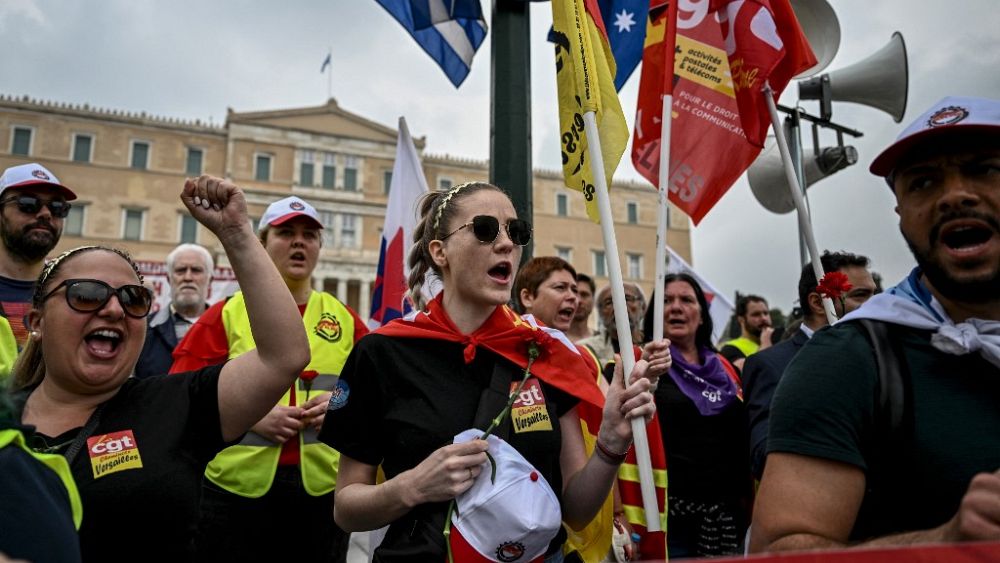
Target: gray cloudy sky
{"type": "Point", "coordinates": [193, 59]}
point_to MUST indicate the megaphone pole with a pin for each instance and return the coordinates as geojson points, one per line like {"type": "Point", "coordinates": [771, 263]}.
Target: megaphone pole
{"type": "Point", "coordinates": [805, 225]}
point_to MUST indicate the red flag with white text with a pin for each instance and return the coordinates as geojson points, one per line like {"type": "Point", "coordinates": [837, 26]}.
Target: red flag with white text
{"type": "Point", "coordinates": [725, 52]}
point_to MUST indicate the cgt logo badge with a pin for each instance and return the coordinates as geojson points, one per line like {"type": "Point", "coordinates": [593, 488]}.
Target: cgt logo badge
{"type": "Point", "coordinates": [40, 175]}
{"type": "Point", "coordinates": [328, 328]}
{"type": "Point", "coordinates": [510, 551]}
{"type": "Point", "coordinates": [947, 116]}
{"type": "Point", "coordinates": [296, 206]}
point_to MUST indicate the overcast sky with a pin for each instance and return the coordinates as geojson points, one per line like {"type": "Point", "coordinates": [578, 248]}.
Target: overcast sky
{"type": "Point", "coordinates": [193, 59]}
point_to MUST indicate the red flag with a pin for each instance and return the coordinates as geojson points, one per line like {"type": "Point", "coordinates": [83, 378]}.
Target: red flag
{"type": "Point", "coordinates": [725, 52]}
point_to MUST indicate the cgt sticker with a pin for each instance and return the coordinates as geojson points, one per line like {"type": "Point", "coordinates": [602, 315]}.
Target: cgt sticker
{"type": "Point", "coordinates": [110, 453]}
{"type": "Point", "coordinates": [338, 397]}
{"type": "Point", "coordinates": [528, 412]}
{"type": "Point", "coordinates": [328, 328]}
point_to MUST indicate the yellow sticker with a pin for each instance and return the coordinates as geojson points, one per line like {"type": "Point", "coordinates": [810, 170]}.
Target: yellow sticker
{"type": "Point", "coordinates": [110, 453]}
{"type": "Point", "coordinates": [528, 412]}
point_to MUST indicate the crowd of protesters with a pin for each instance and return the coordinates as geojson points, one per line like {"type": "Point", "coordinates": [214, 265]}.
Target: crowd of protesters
{"type": "Point", "coordinates": [494, 421]}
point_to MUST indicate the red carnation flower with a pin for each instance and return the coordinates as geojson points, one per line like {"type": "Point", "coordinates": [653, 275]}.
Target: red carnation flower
{"type": "Point", "coordinates": [834, 285]}
{"type": "Point", "coordinates": [307, 378]}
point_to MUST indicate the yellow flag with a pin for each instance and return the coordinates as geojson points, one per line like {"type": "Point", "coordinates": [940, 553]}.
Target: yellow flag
{"type": "Point", "coordinates": [585, 72]}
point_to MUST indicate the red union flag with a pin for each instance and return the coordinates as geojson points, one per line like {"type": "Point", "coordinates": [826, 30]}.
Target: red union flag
{"type": "Point", "coordinates": [725, 52]}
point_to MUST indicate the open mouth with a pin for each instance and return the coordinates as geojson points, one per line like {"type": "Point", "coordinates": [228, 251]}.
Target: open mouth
{"type": "Point", "coordinates": [103, 342]}
{"type": "Point", "coordinates": [566, 314]}
{"type": "Point", "coordinates": [965, 237]}
{"type": "Point", "coordinates": [501, 272]}
{"type": "Point", "coordinates": [676, 322]}
{"type": "Point", "coordinates": [298, 256]}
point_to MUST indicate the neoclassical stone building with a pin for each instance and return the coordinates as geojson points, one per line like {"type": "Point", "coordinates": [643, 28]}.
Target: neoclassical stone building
{"type": "Point", "coordinates": [128, 169]}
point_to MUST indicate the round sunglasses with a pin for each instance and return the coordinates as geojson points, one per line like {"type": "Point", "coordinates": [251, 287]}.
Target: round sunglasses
{"type": "Point", "coordinates": [486, 228]}
{"type": "Point", "coordinates": [87, 296]}
{"type": "Point", "coordinates": [31, 205]}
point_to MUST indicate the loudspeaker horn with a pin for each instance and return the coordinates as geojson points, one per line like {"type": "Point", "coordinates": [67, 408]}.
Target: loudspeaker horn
{"type": "Point", "coordinates": [821, 27]}
{"type": "Point", "coordinates": [767, 174]}
{"type": "Point", "coordinates": [879, 81]}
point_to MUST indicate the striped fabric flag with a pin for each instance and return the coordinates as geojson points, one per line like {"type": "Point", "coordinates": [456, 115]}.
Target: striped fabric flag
{"type": "Point", "coordinates": [408, 184]}
{"type": "Point", "coordinates": [585, 70]}
{"type": "Point", "coordinates": [450, 31]}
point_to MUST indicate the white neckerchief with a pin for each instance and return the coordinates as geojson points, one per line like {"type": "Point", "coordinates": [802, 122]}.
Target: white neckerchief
{"type": "Point", "coordinates": [911, 304]}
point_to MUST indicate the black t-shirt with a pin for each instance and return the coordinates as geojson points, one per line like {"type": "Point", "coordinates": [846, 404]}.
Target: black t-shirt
{"type": "Point", "coordinates": [708, 457]}
{"type": "Point", "coordinates": [140, 473]}
{"type": "Point", "coordinates": [36, 520]}
{"type": "Point", "coordinates": [407, 397]}
{"type": "Point", "coordinates": [824, 407]}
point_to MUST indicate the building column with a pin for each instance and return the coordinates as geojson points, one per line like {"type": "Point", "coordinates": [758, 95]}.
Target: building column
{"type": "Point", "coordinates": [341, 290]}
{"type": "Point", "coordinates": [365, 298]}
{"type": "Point", "coordinates": [319, 283]}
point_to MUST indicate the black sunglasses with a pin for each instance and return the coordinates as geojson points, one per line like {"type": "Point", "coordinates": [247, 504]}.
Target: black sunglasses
{"type": "Point", "coordinates": [31, 205]}
{"type": "Point", "coordinates": [486, 228]}
{"type": "Point", "coordinates": [87, 296]}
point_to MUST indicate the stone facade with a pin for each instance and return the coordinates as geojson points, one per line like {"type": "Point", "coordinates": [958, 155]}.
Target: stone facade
{"type": "Point", "coordinates": [128, 168]}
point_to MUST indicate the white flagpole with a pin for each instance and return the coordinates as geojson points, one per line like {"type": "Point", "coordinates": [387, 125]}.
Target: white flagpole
{"type": "Point", "coordinates": [621, 316]}
{"type": "Point", "coordinates": [661, 215]}
{"type": "Point", "coordinates": [329, 74]}
{"type": "Point", "coordinates": [805, 225]}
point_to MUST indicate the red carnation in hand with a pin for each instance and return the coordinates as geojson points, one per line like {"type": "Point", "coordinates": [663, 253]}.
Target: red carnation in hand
{"type": "Point", "coordinates": [834, 285]}
{"type": "Point", "coordinates": [308, 376]}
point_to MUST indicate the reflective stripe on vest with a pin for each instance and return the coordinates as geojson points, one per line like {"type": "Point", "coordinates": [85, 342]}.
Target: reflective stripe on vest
{"type": "Point", "coordinates": [56, 463]}
{"type": "Point", "coordinates": [247, 469]}
{"type": "Point", "coordinates": [8, 348]}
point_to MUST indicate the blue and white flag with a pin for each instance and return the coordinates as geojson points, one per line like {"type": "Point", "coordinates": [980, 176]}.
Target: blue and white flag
{"type": "Point", "coordinates": [450, 31]}
{"type": "Point", "coordinates": [326, 62]}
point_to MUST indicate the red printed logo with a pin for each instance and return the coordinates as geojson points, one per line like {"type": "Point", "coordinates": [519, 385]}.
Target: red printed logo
{"type": "Point", "coordinates": [110, 453]}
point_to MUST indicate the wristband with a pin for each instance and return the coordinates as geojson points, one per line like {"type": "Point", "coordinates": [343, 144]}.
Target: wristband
{"type": "Point", "coordinates": [609, 456]}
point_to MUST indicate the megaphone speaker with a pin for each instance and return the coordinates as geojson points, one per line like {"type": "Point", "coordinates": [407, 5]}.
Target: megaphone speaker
{"type": "Point", "coordinates": [767, 174]}
{"type": "Point", "coordinates": [821, 27]}
{"type": "Point", "coordinates": [880, 81]}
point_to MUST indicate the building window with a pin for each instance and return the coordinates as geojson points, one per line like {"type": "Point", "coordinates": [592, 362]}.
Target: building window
{"type": "Point", "coordinates": [444, 183]}
{"type": "Point", "coordinates": [132, 224]}
{"type": "Point", "coordinates": [82, 148]}
{"type": "Point", "coordinates": [329, 176]}
{"type": "Point", "coordinates": [73, 224]}
{"type": "Point", "coordinates": [195, 162]}
{"type": "Point", "coordinates": [386, 181]}
{"type": "Point", "coordinates": [306, 174]}
{"type": "Point", "coordinates": [600, 264]}
{"type": "Point", "coordinates": [140, 155]}
{"type": "Point", "coordinates": [326, 218]}
{"type": "Point", "coordinates": [351, 174]}
{"type": "Point", "coordinates": [189, 228]}
{"type": "Point", "coordinates": [20, 142]}
{"type": "Point", "coordinates": [565, 252]}
{"type": "Point", "coordinates": [632, 212]}
{"type": "Point", "coordinates": [562, 205]}
{"type": "Point", "coordinates": [262, 168]}
{"type": "Point", "coordinates": [348, 231]}
{"type": "Point", "coordinates": [634, 266]}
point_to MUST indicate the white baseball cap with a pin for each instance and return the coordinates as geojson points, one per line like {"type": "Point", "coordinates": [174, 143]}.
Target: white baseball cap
{"type": "Point", "coordinates": [511, 519]}
{"type": "Point", "coordinates": [950, 115]}
{"type": "Point", "coordinates": [32, 176]}
{"type": "Point", "coordinates": [286, 209]}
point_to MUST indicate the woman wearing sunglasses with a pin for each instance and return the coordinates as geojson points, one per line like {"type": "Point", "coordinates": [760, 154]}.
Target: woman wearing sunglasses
{"type": "Point", "coordinates": [411, 386]}
{"type": "Point", "coordinates": [138, 448]}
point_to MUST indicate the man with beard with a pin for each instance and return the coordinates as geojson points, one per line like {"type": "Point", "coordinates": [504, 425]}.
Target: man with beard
{"type": "Point", "coordinates": [604, 345]}
{"type": "Point", "coordinates": [754, 317]}
{"type": "Point", "coordinates": [33, 205]}
{"type": "Point", "coordinates": [847, 463]}
{"type": "Point", "coordinates": [189, 269]}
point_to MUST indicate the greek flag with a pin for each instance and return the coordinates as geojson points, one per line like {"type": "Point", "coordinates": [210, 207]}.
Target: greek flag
{"type": "Point", "coordinates": [450, 31]}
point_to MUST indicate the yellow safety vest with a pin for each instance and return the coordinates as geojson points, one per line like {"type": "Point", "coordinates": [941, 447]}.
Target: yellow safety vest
{"type": "Point", "coordinates": [8, 349]}
{"type": "Point", "coordinates": [55, 462]}
{"type": "Point", "coordinates": [247, 469]}
{"type": "Point", "coordinates": [745, 345]}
